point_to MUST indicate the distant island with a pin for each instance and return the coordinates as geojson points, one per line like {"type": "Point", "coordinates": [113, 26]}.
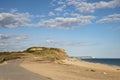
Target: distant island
{"type": "Point", "coordinates": [83, 57]}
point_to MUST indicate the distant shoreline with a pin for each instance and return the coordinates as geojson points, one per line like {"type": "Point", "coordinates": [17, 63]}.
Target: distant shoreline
{"type": "Point", "coordinates": [106, 61]}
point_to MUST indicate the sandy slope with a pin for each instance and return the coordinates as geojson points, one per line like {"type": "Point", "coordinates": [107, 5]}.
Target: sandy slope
{"type": "Point", "coordinates": [73, 70]}
{"type": "Point", "coordinates": [13, 71]}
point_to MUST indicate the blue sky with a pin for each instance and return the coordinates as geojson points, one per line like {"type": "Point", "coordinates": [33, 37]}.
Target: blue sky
{"type": "Point", "coordinates": [81, 27]}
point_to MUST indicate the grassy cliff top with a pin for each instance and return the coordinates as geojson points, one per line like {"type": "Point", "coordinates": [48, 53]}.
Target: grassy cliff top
{"type": "Point", "coordinates": [35, 53]}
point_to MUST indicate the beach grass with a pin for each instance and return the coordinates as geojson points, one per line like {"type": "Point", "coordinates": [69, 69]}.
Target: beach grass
{"type": "Point", "coordinates": [36, 54]}
{"type": "Point", "coordinates": [5, 56]}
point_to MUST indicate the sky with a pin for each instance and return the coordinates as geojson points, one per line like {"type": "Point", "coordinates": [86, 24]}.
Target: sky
{"type": "Point", "coordinates": [81, 27]}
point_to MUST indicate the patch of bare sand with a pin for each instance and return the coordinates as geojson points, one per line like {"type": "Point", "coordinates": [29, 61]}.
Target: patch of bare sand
{"type": "Point", "coordinates": [73, 69]}
{"type": "Point", "coordinates": [3, 63]}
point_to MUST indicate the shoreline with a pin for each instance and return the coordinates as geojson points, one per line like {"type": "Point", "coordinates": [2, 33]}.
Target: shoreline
{"type": "Point", "coordinates": [73, 69]}
{"type": "Point", "coordinates": [115, 66]}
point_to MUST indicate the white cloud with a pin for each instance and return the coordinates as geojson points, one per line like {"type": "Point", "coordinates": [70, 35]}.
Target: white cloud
{"type": "Point", "coordinates": [110, 4]}
{"type": "Point", "coordinates": [65, 14]}
{"type": "Point", "coordinates": [67, 23]}
{"type": "Point", "coordinates": [86, 7]}
{"type": "Point", "coordinates": [22, 37]}
{"type": "Point", "coordinates": [51, 14]}
{"type": "Point", "coordinates": [13, 10]}
{"type": "Point", "coordinates": [12, 36]}
{"type": "Point", "coordinates": [13, 20]}
{"type": "Point", "coordinates": [4, 36]}
{"type": "Point", "coordinates": [11, 41]}
{"type": "Point", "coordinates": [75, 14]}
{"type": "Point", "coordinates": [53, 2]}
{"type": "Point", "coordinates": [54, 43]}
{"type": "Point", "coordinates": [61, 2]}
{"type": "Point", "coordinates": [110, 18]}
{"type": "Point", "coordinates": [59, 9]}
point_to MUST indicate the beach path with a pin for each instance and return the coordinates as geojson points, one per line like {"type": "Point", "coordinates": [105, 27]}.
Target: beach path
{"type": "Point", "coordinates": [12, 71]}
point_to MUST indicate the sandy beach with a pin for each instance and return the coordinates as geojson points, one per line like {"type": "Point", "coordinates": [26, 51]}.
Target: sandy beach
{"type": "Point", "coordinates": [72, 69]}
{"type": "Point", "coordinates": [11, 70]}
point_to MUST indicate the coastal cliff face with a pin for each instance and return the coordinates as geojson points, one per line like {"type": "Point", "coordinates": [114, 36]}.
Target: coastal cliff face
{"type": "Point", "coordinates": [36, 54]}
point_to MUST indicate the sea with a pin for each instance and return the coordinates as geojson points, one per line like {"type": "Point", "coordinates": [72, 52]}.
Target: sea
{"type": "Point", "coordinates": [113, 62]}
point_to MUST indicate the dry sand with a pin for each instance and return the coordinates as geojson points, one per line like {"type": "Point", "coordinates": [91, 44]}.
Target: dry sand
{"type": "Point", "coordinates": [73, 69]}
{"type": "Point", "coordinates": [11, 70]}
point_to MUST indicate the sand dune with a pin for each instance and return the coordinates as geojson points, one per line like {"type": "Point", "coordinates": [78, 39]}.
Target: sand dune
{"type": "Point", "coordinates": [73, 69]}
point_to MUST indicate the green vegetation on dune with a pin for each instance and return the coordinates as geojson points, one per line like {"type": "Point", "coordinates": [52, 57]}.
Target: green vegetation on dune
{"type": "Point", "coordinates": [35, 53]}
{"type": "Point", "coordinates": [4, 56]}
{"type": "Point", "coordinates": [43, 53]}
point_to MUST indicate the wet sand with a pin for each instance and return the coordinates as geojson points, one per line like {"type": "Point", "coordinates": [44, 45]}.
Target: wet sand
{"type": "Point", "coordinates": [13, 71]}
{"type": "Point", "coordinates": [73, 70]}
